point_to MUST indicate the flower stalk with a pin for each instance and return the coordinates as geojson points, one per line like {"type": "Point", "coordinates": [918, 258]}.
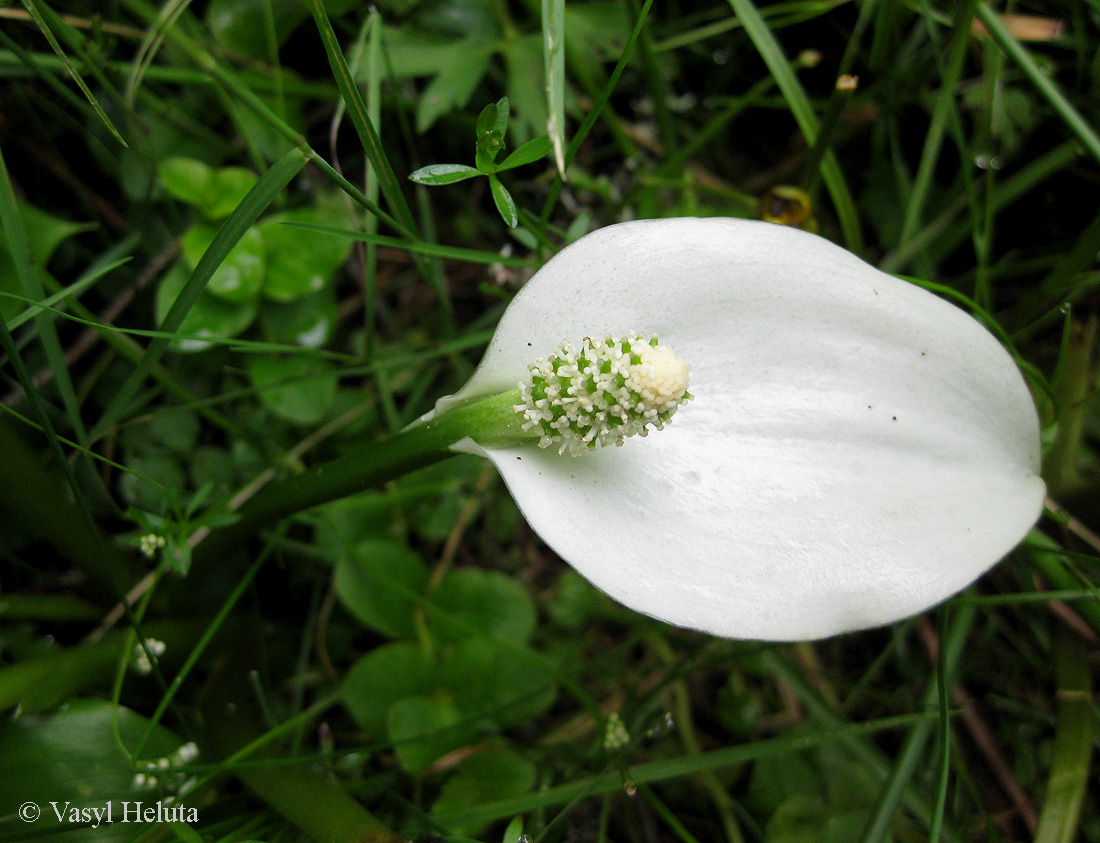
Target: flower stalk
{"type": "Point", "coordinates": [493, 420]}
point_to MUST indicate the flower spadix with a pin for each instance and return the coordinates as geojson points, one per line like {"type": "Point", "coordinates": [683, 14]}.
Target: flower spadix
{"type": "Point", "coordinates": [856, 450]}
{"type": "Point", "coordinates": [603, 392]}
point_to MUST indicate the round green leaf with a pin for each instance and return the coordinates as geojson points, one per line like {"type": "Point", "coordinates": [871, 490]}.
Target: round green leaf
{"type": "Point", "coordinates": [382, 677]}
{"type": "Point", "coordinates": [73, 756]}
{"type": "Point", "coordinates": [503, 684]}
{"type": "Point", "coordinates": [308, 321]}
{"type": "Point", "coordinates": [491, 775]}
{"type": "Point", "coordinates": [241, 274]}
{"type": "Point", "coordinates": [149, 480]}
{"type": "Point", "coordinates": [470, 601]}
{"type": "Point", "coordinates": [300, 262]}
{"type": "Point", "coordinates": [214, 192]}
{"type": "Point", "coordinates": [423, 729]}
{"type": "Point", "coordinates": [187, 179]}
{"type": "Point", "coordinates": [228, 187]}
{"type": "Point", "coordinates": [209, 317]}
{"type": "Point", "coordinates": [243, 26]}
{"type": "Point", "coordinates": [298, 389]}
{"type": "Point", "coordinates": [380, 582]}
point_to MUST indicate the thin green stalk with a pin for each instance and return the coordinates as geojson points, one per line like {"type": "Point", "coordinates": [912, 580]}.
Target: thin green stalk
{"type": "Point", "coordinates": [803, 113]}
{"type": "Point", "coordinates": [658, 87]}
{"type": "Point", "coordinates": [1028, 177]}
{"type": "Point", "coordinates": [48, 20]}
{"type": "Point", "coordinates": [360, 118]}
{"type": "Point", "coordinates": [11, 221]}
{"type": "Point", "coordinates": [553, 52]}
{"type": "Point", "coordinates": [666, 769]}
{"type": "Point", "coordinates": [597, 109]}
{"type": "Point", "coordinates": [200, 647]}
{"type": "Point", "coordinates": [838, 102]}
{"type": "Point", "coordinates": [1072, 388]}
{"type": "Point", "coordinates": [675, 161]}
{"type": "Point", "coordinates": [945, 105]}
{"type": "Point", "coordinates": [943, 722]}
{"type": "Point", "coordinates": [417, 446]}
{"type": "Point", "coordinates": [907, 764]}
{"type": "Point", "coordinates": [1057, 100]}
{"type": "Point", "coordinates": [1073, 739]}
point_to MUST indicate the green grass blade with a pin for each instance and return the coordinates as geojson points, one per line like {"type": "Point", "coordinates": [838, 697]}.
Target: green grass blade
{"type": "Point", "coordinates": [909, 758]}
{"type": "Point", "coordinates": [360, 118]}
{"type": "Point", "coordinates": [670, 768]}
{"type": "Point", "coordinates": [800, 107]}
{"type": "Point", "coordinates": [597, 109]}
{"type": "Point", "coordinates": [73, 290]}
{"type": "Point", "coordinates": [553, 53]}
{"type": "Point", "coordinates": [16, 235]}
{"type": "Point", "coordinates": [150, 44]}
{"type": "Point", "coordinates": [433, 249]}
{"type": "Point", "coordinates": [39, 12]}
{"type": "Point", "coordinates": [1057, 100]}
{"type": "Point", "coordinates": [263, 194]}
{"type": "Point", "coordinates": [1073, 738]}
{"type": "Point", "coordinates": [941, 112]}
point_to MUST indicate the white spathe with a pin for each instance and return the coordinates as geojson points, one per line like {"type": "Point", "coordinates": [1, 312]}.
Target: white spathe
{"type": "Point", "coordinates": [857, 449]}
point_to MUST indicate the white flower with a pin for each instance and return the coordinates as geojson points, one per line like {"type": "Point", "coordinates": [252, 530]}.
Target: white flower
{"type": "Point", "coordinates": [857, 449]}
{"type": "Point", "coordinates": [140, 661]}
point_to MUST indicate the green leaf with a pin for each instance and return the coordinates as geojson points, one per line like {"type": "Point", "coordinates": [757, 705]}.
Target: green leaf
{"type": "Point", "coordinates": [455, 83]}
{"type": "Point", "coordinates": [228, 188]}
{"type": "Point", "coordinates": [150, 480]}
{"type": "Point", "coordinates": [299, 262]}
{"type": "Point", "coordinates": [382, 677]}
{"type": "Point", "coordinates": [309, 321]}
{"type": "Point", "coordinates": [175, 430]}
{"type": "Point", "coordinates": [424, 729]}
{"type": "Point", "coordinates": [81, 755]}
{"type": "Point", "coordinates": [486, 120]}
{"type": "Point", "coordinates": [299, 389]}
{"type": "Point", "coordinates": [489, 775]}
{"type": "Point", "coordinates": [505, 204]}
{"type": "Point", "coordinates": [435, 174]}
{"type": "Point", "coordinates": [533, 150]}
{"type": "Point", "coordinates": [240, 275]}
{"type": "Point", "coordinates": [210, 316]}
{"type": "Point", "coordinates": [492, 125]}
{"type": "Point", "coordinates": [553, 50]}
{"type": "Point", "coordinates": [245, 26]}
{"type": "Point", "coordinates": [526, 83]}
{"type": "Point", "coordinates": [45, 233]}
{"type": "Point", "coordinates": [505, 685]}
{"type": "Point", "coordinates": [188, 179]}
{"type": "Point", "coordinates": [473, 602]}
{"type": "Point", "coordinates": [380, 583]}
{"type": "Point", "coordinates": [267, 188]}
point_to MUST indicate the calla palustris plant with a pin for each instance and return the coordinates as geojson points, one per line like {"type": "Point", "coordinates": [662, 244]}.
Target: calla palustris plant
{"type": "Point", "coordinates": [856, 450]}
{"type": "Point", "coordinates": [847, 449]}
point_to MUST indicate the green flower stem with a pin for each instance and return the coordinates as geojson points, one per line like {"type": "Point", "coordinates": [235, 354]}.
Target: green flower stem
{"type": "Point", "coordinates": [1073, 738]}
{"type": "Point", "coordinates": [492, 421]}
{"type": "Point", "coordinates": [1071, 393]}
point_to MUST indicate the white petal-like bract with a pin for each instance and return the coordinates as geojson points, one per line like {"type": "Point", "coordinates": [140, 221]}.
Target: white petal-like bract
{"type": "Point", "coordinates": [857, 449]}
